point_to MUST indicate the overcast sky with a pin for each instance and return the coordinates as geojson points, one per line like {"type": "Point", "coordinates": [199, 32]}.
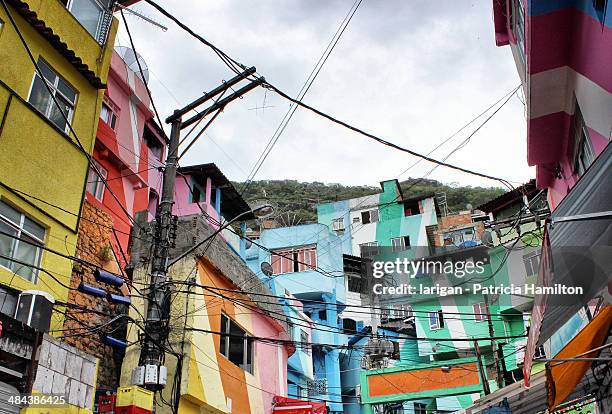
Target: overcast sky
{"type": "Point", "coordinates": [410, 71]}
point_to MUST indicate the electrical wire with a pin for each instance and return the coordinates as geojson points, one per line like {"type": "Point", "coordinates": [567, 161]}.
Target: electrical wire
{"type": "Point", "coordinates": [301, 94]}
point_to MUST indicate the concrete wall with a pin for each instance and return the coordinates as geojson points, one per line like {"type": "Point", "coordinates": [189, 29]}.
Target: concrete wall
{"type": "Point", "coordinates": [65, 370]}
{"type": "Point", "coordinates": [210, 382]}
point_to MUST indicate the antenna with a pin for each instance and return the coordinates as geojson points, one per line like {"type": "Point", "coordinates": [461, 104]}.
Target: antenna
{"type": "Point", "coordinates": [143, 17]}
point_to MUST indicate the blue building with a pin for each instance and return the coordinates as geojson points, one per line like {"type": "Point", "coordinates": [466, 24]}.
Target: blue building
{"type": "Point", "coordinates": [307, 264]}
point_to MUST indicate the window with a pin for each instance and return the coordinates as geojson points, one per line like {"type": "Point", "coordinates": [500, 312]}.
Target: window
{"type": "Point", "coordinates": [369, 216]}
{"type": "Point", "coordinates": [583, 155]}
{"type": "Point", "coordinates": [539, 353]}
{"type": "Point", "coordinates": [235, 344]}
{"type": "Point", "coordinates": [518, 27]}
{"type": "Point", "coordinates": [532, 263]}
{"type": "Point", "coordinates": [420, 408]}
{"type": "Point", "coordinates": [292, 260]}
{"type": "Point", "coordinates": [107, 114]}
{"type": "Point", "coordinates": [338, 224]}
{"type": "Point", "coordinates": [43, 101]}
{"type": "Point", "coordinates": [368, 250]}
{"type": "Point", "coordinates": [402, 311]}
{"type": "Point", "coordinates": [198, 193]}
{"type": "Point", "coordinates": [481, 311]}
{"type": "Point", "coordinates": [95, 182]}
{"type": "Point", "coordinates": [94, 16]}
{"type": "Point", "coordinates": [399, 244]}
{"type": "Point", "coordinates": [436, 320]}
{"type": "Point", "coordinates": [8, 299]}
{"type": "Point", "coordinates": [600, 5]}
{"type": "Point", "coordinates": [412, 208]}
{"type": "Point", "coordinates": [305, 341]}
{"type": "Point", "coordinates": [354, 283]}
{"type": "Point", "coordinates": [153, 202]}
{"type": "Point", "coordinates": [21, 246]}
{"type": "Point", "coordinates": [153, 143]}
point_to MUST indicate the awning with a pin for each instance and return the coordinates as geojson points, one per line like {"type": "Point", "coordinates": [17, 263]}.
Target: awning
{"type": "Point", "coordinates": [527, 401]}
{"type": "Point", "coordinates": [577, 252]}
{"type": "Point", "coordinates": [563, 376]}
{"type": "Point", "coordinates": [285, 405]}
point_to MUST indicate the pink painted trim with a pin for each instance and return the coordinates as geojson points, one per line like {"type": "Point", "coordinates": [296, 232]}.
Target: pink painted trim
{"type": "Point", "coordinates": [546, 136]}
{"type": "Point", "coordinates": [501, 22]}
{"type": "Point", "coordinates": [569, 37]}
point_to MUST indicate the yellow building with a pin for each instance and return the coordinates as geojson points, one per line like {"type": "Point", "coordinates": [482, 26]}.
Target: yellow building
{"type": "Point", "coordinates": [43, 168]}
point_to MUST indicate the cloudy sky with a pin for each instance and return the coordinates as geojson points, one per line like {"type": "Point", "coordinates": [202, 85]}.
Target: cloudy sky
{"type": "Point", "coordinates": [413, 72]}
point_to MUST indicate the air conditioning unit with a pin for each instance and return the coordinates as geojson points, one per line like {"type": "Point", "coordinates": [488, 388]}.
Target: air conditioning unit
{"type": "Point", "coordinates": [34, 308]}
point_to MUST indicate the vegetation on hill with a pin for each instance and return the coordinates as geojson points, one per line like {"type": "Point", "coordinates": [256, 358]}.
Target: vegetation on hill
{"type": "Point", "coordinates": [296, 202]}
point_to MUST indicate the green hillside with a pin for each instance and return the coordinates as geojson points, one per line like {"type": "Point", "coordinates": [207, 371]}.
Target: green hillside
{"type": "Point", "coordinates": [296, 201]}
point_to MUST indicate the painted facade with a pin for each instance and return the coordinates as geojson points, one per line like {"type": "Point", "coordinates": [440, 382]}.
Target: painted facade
{"type": "Point", "coordinates": [129, 151]}
{"type": "Point", "coordinates": [43, 184]}
{"type": "Point", "coordinates": [222, 371]}
{"type": "Point", "coordinates": [385, 220]}
{"type": "Point", "coordinates": [561, 49]}
{"type": "Point", "coordinates": [307, 264]}
{"type": "Point", "coordinates": [44, 162]}
{"type": "Point", "coordinates": [444, 324]}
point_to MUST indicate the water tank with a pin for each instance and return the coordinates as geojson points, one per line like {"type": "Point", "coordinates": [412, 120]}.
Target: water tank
{"type": "Point", "coordinates": [34, 308]}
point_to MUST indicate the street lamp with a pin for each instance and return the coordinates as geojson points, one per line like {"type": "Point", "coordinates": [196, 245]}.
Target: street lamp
{"type": "Point", "coordinates": [261, 211]}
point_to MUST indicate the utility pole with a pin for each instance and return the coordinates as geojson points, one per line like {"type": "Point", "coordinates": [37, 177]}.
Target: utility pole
{"type": "Point", "coordinates": [483, 377]}
{"type": "Point", "coordinates": [499, 378]}
{"type": "Point", "coordinates": [151, 373]}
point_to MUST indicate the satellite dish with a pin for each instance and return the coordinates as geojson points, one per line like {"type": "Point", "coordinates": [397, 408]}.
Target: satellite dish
{"type": "Point", "coordinates": [131, 60]}
{"type": "Point", "coordinates": [266, 268]}
{"type": "Point", "coordinates": [469, 206]}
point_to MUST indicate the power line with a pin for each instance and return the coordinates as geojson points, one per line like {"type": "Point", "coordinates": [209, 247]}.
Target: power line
{"type": "Point", "coordinates": [303, 91]}
{"type": "Point", "coordinates": [230, 62]}
{"type": "Point", "coordinates": [64, 116]}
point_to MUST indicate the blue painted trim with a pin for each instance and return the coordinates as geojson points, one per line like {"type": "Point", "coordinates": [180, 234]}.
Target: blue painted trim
{"type": "Point", "coordinates": [218, 200]}
{"type": "Point", "coordinates": [541, 7]}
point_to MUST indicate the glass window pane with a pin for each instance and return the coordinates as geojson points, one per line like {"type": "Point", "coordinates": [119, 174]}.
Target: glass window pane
{"type": "Point", "coordinates": [34, 228]}
{"type": "Point", "coordinates": [88, 13]}
{"type": "Point", "coordinates": [47, 71]}
{"type": "Point", "coordinates": [249, 356]}
{"type": "Point", "coordinates": [66, 90]}
{"type": "Point", "coordinates": [10, 213]}
{"type": "Point", "coordinates": [39, 97]}
{"type": "Point", "coordinates": [27, 253]}
{"type": "Point", "coordinates": [56, 116]}
{"type": "Point", "coordinates": [7, 243]}
{"type": "Point", "coordinates": [105, 113]}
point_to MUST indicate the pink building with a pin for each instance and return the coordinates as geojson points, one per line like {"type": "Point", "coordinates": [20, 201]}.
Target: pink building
{"type": "Point", "coordinates": [563, 52]}
{"type": "Point", "coordinates": [130, 149]}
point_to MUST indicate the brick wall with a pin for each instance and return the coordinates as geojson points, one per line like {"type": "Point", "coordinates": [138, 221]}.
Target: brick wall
{"type": "Point", "coordinates": [95, 234]}
{"type": "Point", "coordinates": [447, 222]}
